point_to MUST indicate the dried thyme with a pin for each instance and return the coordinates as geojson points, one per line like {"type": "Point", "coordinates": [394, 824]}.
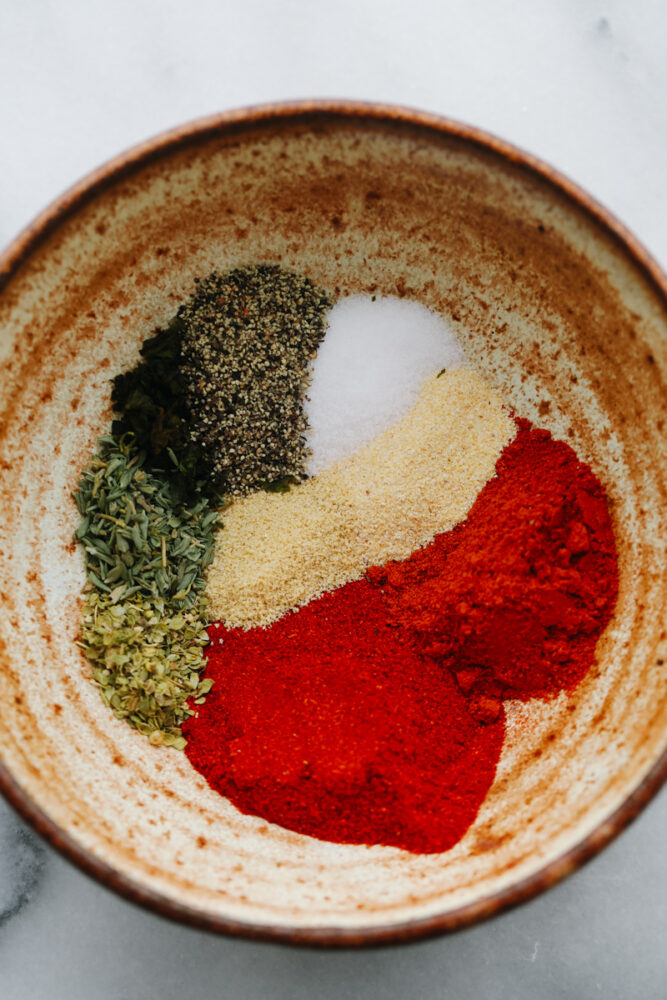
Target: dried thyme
{"type": "Point", "coordinates": [137, 535]}
{"type": "Point", "coordinates": [248, 339]}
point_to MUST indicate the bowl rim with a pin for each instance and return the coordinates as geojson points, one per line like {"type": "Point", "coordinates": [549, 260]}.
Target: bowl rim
{"type": "Point", "coordinates": [398, 118]}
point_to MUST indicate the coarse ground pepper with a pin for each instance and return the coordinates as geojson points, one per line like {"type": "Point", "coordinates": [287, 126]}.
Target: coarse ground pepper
{"type": "Point", "coordinates": [248, 338]}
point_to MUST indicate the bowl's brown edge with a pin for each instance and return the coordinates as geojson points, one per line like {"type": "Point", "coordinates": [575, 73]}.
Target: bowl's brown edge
{"type": "Point", "coordinates": [320, 111]}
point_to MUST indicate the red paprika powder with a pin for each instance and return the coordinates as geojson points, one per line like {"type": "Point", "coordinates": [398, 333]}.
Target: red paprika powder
{"type": "Point", "coordinates": [330, 724]}
{"type": "Point", "coordinates": [513, 600]}
{"type": "Point", "coordinates": [374, 714]}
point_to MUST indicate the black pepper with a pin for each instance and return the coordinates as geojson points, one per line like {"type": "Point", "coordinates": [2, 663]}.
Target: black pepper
{"type": "Point", "coordinates": [248, 339]}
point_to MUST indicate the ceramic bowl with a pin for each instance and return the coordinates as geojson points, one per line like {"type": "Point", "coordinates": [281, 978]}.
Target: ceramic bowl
{"type": "Point", "coordinates": [557, 306]}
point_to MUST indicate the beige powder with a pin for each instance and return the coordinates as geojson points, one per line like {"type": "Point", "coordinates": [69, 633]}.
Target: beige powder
{"type": "Point", "coordinates": [420, 477]}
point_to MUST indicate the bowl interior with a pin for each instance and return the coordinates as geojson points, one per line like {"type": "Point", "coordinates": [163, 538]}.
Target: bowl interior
{"type": "Point", "coordinates": [549, 305]}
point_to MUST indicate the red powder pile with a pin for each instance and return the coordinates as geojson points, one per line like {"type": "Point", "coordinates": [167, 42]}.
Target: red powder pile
{"type": "Point", "coordinates": [374, 715]}
{"type": "Point", "coordinates": [514, 599]}
{"type": "Point", "coordinates": [328, 723]}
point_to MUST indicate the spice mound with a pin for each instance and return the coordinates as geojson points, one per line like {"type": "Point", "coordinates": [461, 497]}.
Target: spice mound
{"type": "Point", "coordinates": [146, 550]}
{"type": "Point", "coordinates": [248, 337]}
{"type": "Point", "coordinates": [331, 725]}
{"type": "Point", "coordinates": [375, 713]}
{"type": "Point", "coordinates": [514, 599]}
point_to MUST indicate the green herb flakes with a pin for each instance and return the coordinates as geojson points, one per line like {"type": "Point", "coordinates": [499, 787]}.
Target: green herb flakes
{"type": "Point", "coordinates": [144, 623]}
{"type": "Point", "coordinates": [150, 401]}
{"type": "Point", "coordinates": [146, 663]}
{"type": "Point", "coordinates": [137, 535]}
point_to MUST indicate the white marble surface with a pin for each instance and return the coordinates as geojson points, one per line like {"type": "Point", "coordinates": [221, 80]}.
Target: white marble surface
{"type": "Point", "coordinates": [582, 83]}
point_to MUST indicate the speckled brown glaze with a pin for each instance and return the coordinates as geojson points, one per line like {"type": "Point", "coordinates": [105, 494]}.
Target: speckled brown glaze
{"type": "Point", "coordinates": [554, 302]}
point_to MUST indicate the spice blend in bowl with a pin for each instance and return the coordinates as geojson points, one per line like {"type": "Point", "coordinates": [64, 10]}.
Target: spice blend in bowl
{"type": "Point", "coordinates": [562, 322]}
{"type": "Point", "coordinates": [373, 716]}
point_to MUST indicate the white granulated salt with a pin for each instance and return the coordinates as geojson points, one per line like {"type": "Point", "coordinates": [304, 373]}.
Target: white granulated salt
{"type": "Point", "coordinates": [369, 370]}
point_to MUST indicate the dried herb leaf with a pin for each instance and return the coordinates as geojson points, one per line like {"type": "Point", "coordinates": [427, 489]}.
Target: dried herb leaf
{"type": "Point", "coordinates": [144, 624]}
{"type": "Point", "coordinates": [147, 664]}
{"type": "Point", "coordinates": [159, 542]}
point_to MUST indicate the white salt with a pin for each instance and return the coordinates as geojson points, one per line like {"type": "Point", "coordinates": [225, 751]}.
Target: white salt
{"type": "Point", "coordinates": [369, 370]}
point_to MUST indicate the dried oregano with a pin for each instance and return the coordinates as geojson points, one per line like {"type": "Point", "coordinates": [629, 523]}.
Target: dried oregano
{"type": "Point", "coordinates": [147, 662]}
